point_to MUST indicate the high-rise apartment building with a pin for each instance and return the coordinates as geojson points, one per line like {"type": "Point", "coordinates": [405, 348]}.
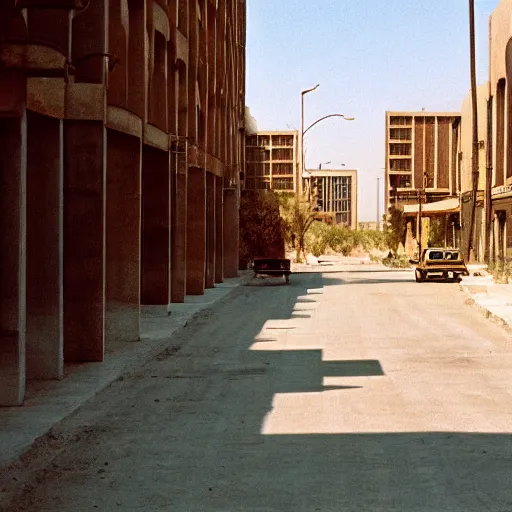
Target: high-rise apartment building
{"type": "Point", "coordinates": [272, 161]}
{"type": "Point", "coordinates": [421, 153]}
{"type": "Point", "coordinates": [422, 165]}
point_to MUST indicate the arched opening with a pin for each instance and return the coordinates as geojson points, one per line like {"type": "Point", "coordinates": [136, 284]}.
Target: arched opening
{"type": "Point", "coordinates": [119, 23]}
{"type": "Point", "coordinates": [158, 81]}
{"type": "Point", "coordinates": [508, 62]}
{"type": "Point", "coordinates": [136, 58]}
{"type": "Point", "coordinates": [182, 17]}
{"type": "Point", "coordinates": [500, 133]}
{"type": "Point", "coordinates": [182, 95]}
{"type": "Point", "coordinates": [172, 85]}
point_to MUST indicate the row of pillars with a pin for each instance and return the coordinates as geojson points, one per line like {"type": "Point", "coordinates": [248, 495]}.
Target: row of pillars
{"type": "Point", "coordinates": [94, 224]}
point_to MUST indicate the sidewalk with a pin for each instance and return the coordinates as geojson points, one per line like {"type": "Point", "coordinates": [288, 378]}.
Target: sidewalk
{"type": "Point", "coordinates": [493, 300]}
{"type": "Point", "coordinates": [49, 402]}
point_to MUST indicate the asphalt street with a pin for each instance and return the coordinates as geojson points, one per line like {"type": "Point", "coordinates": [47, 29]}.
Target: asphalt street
{"type": "Point", "coordinates": [357, 390]}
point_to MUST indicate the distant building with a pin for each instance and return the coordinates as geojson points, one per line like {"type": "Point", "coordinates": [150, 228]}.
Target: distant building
{"type": "Point", "coordinates": [422, 161]}
{"type": "Point", "coordinates": [251, 125]}
{"type": "Point", "coordinates": [369, 225]}
{"type": "Point", "coordinates": [272, 161]}
{"type": "Point", "coordinates": [334, 193]}
{"type": "Point", "coordinates": [465, 151]}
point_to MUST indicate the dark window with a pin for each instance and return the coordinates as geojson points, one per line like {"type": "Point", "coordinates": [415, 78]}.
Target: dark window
{"type": "Point", "coordinates": [436, 255]}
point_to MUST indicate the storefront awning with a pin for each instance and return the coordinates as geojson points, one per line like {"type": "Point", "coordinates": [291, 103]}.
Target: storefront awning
{"type": "Point", "coordinates": [445, 206]}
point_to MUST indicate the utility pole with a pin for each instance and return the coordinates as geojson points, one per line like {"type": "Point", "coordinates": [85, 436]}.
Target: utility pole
{"type": "Point", "coordinates": [419, 229]}
{"type": "Point", "coordinates": [474, 154]}
{"type": "Point", "coordinates": [420, 225]}
{"type": "Point", "coordinates": [488, 185]}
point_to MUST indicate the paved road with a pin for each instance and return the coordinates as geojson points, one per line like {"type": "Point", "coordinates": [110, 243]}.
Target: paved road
{"type": "Point", "coordinates": [351, 391]}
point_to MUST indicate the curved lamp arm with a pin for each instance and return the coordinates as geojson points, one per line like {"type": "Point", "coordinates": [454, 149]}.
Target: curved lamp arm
{"type": "Point", "coordinates": [326, 117]}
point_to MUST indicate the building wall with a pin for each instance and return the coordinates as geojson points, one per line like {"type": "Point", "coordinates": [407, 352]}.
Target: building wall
{"type": "Point", "coordinates": [500, 94]}
{"type": "Point", "coordinates": [419, 153]}
{"type": "Point", "coordinates": [335, 193]}
{"type": "Point", "coordinates": [144, 143]}
{"type": "Point", "coordinates": [466, 139]}
{"type": "Point", "coordinates": [465, 151]}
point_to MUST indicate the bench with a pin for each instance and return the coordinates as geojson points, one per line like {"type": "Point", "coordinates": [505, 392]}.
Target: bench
{"type": "Point", "coordinates": [275, 267]}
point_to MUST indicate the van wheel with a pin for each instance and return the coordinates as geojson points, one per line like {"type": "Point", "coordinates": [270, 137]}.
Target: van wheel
{"type": "Point", "coordinates": [418, 274]}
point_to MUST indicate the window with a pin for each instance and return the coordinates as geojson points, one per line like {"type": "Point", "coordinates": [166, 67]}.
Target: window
{"type": "Point", "coordinates": [282, 154]}
{"type": "Point", "coordinates": [282, 169]}
{"type": "Point", "coordinates": [282, 140]}
{"type": "Point", "coordinates": [399, 121]}
{"type": "Point", "coordinates": [282, 184]}
{"type": "Point", "coordinates": [400, 133]}
{"type": "Point", "coordinates": [400, 165]}
{"type": "Point", "coordinates": [400, 149]}
{"type": "Point", "coordinates": [435, 255]}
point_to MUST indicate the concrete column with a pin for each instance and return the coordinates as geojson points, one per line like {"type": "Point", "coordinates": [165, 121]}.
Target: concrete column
{"type": "Point", "coordinates": [219, 231]}
{"type": "Point", "coordinates": [155, 226]}
{"type": "Point", "coordinates": [45, 336]}
{"type": "Point", "coordinates": [210, 230]}
{"type": "Point", "coordinates": [12, 259]}
{"type": "Point", "coordinates": [231, 233]}
{"type": "Point", "coordinates": [179, 230]}
{"type": "Point", "coordinates": [123, 219]}
{"type": "Point", "coordinates": [196, 231]}
{"type": "Point", "coordinates": [84, 240]}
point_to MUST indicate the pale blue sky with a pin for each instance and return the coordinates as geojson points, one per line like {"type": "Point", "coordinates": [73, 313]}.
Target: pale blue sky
{"type": "Point", "coordinates": [368, 56]}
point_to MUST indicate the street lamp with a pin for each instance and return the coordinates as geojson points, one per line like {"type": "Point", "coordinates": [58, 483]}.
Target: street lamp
{"type": "Point", "coordinates": [324, 163]}
{"type": "Point", "coordinates": [326, 117]}
{"type": "Point", "coordinates": [311, 126]}
{"type": "Point", "coordinates": [302, 94]}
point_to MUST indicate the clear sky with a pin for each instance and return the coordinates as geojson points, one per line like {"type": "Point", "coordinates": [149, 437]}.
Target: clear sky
{"type": "Point", "coordinates": [368, 56]}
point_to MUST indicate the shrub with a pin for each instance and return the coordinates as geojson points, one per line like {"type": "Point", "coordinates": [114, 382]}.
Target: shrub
{"type": "Point", "coordinates": [261, 227]}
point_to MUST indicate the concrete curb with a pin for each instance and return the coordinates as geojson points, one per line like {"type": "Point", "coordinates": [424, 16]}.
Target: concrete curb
{"type": "Point", "coordinates": [29, 427]}
{"type": "Point", "coordinates": [485, 311]}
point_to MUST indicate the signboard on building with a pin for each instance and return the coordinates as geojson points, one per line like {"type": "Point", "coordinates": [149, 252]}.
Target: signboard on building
{"type": "Point", "coordinates": [501, 190]}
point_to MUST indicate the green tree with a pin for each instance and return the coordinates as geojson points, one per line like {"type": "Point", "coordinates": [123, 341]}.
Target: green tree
{"type": "Point", "coordinates": [261, 227]}
{"type": "Point", "coordinates": [437, 232]}
{"type": "Point", "coordinates": [298, 217]}
{"type": "Point", "coordinates": [395, 229]}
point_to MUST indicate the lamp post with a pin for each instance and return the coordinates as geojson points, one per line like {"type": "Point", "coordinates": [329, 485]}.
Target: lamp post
{"type": "Point", "coordinates": [324, 163]}
{"type": "Point", "coordinates": [346, 118]}
{"type": "Point", "coordinates": [378, 199]}
{"type": "Point", "coordinates": [302, 94]}
{"type": "Point", "coordinates": [378, 203]}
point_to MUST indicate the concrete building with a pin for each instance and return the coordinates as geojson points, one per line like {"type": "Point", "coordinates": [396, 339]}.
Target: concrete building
{"type": "Point", "coordinates": [334, 194]}
{"type": "Point", "coordinates": [121, 145]}
{"type": "Point", "coordinates": [273, 159]}
{"type": "Point", "coordinates": [500, 128]}
{"type": "Point", "coordinates": [465, 171]}
{"type": "Point", "coordinates": [421, 159]}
